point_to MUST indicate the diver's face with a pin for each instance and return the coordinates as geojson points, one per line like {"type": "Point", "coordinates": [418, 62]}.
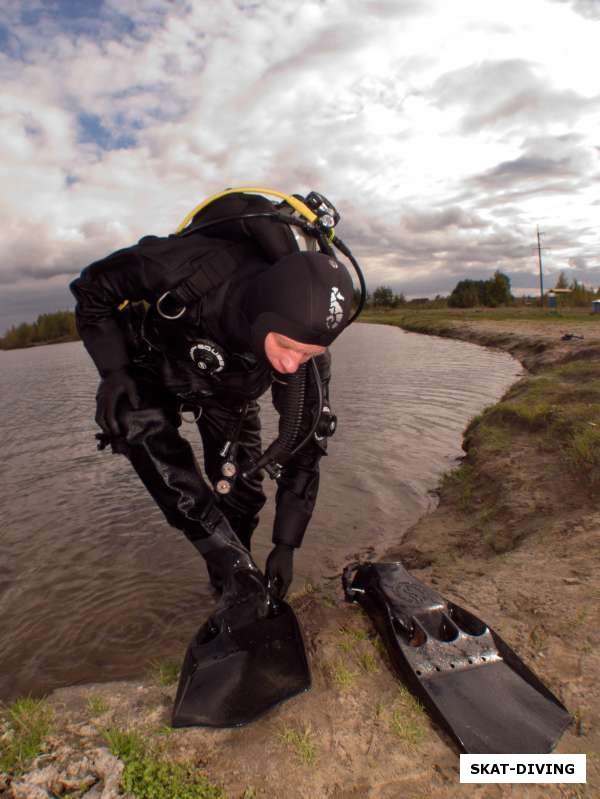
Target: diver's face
{"type": "Point", "coordinates": [285, 354]}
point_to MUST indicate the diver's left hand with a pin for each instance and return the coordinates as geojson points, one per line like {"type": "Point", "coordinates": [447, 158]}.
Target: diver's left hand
{"type": "Point", "coordinates": [280, 569]}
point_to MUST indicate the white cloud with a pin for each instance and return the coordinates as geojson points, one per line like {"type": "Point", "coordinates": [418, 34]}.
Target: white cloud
{"type": "Point", "coordinates": [443, 132]}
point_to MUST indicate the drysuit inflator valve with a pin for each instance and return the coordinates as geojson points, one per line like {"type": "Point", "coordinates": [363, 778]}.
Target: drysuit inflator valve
{"type": "Point", "coordinates": [327, 424]}
{"type": "Point", "coordinates": [208, 357]}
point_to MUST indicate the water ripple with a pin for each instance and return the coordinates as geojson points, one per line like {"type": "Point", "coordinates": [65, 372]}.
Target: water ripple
{"type": "Point", "coordinates": [94, 583]}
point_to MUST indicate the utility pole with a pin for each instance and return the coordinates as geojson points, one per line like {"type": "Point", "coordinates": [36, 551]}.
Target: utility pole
{"type": "Point", "coordinates": [539, 247]}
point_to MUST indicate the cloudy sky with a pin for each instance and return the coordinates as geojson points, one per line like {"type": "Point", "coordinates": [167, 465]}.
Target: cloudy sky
{"type": "Point", "coordinates": [444, 132]}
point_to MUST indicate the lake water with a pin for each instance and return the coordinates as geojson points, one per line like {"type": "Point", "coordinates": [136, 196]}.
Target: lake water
{"type": "Point", "coordinates": [93, 582]}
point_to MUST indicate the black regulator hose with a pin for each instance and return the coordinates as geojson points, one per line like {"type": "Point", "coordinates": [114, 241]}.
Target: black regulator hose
{"type": "Point", "coordinates": [361, 278]}
{"type": "Point", "coordinates": [290, 421]}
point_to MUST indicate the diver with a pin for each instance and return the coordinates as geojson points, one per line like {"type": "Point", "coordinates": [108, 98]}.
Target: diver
{"type": "Point", "coordinates": [246, 296]}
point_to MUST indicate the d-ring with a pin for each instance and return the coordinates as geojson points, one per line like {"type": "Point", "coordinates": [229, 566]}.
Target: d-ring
{"type": "Point", "coordinates": [195, 415]}
{"type": "Point", "coordinates": [178, 315]}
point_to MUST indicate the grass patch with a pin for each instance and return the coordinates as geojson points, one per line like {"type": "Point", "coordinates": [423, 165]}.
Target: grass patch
{"type": "Point", "coordinates": [26, 724]}
{"type": "Point", "coordinates": [411, 731]}
{"type": "Point", "coordinates": [583, 451]}
{"type": "Point", "coordinates": [368, 662]}
{"type": "Point", "coordinates": [149, 774]}
{"type": "Point", "coordinates": [354, 634]}
{"type": "Point", "coordinates": [351, 637]}
{"type": "Point", "coordinates": [343, 677]}
{"type": "Point", "coordinates": [408, 722]}
{"type": "Point", "coordinates": [561, 406]}
{"type": "Point", "coordinates": [460, 484]}
{"type": "Point", "coordinates": [302, 743]}
{"type": "Point", "coordinates": [528, 415]}
{"type": "Point", "coordinates": [166, 671]}
{"type": "Point", "coordinates": [517, 313]}
{"type": "Point", "coordinates": [96, 705]}
{"type": "Point", "coordinates": [310, 587]}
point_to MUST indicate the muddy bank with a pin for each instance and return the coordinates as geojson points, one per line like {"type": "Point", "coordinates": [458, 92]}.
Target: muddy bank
{"type": "Point", "coordinates": [516, 532]}
{"type": "Point", "coordinates": [515, 537]}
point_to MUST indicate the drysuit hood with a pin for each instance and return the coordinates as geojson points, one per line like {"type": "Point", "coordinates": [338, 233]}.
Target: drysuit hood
{"type": "Point", "coordinates": [305, 296]}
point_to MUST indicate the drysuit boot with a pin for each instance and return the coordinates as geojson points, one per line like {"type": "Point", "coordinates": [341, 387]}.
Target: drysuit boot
{"type": "Point", "coordinates": [243, 529]}
{"type": "Point", "coordinates": [231, 569]}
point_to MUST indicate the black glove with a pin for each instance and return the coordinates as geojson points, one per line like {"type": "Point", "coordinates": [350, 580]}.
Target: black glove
{"type": "Point", "coordinates": [280, 569]}
{"type": "Point", "coordinates": [112, 389]}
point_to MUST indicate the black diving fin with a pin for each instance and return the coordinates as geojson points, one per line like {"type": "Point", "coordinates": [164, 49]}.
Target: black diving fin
{"type": "Point", "coordinates": [244, 660]}
{"type": "Point", "coordinates": [469, 680]}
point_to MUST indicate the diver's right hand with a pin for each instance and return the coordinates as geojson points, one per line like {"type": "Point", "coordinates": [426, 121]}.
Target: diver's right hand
{"type": "Point", "coordinates": [112, 389]}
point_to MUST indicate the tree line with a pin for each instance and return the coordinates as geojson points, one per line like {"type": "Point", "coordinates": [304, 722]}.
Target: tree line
{"type": "Point", "coordinates": [466, 294]}
{"type": "Point", "coordinates": [47, 328]}
{"type": "Point", "coordinates": [489, 293]}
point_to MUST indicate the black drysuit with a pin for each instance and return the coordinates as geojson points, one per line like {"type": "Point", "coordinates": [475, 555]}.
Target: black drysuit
{"type": "Point", "coordinates": [156, 354]}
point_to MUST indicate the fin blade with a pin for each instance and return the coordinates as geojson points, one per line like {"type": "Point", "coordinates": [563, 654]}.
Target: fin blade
{"type": "Point", "coordinates": [240, 674]}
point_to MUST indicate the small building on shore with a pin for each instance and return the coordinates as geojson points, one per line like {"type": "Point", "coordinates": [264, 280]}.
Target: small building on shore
{"type": "Point", "coordinates": [553, 297]}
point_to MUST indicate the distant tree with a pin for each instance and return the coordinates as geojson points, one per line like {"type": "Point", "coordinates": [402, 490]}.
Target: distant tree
{"type": "Point", "coordinates": [580, 295]}
{"type": "Point", "coordinates": [383, 297]}
{"type": "Point", "coordinates": [497, 290]}
{"type": "Point", "coordinates": [466, 294]}
{"type": "Point", "coordinates": [492, 292]}
{"type": "Point", "coordinates": [561, 282]}
{"type": "Point", "coordinates": [419, 301]}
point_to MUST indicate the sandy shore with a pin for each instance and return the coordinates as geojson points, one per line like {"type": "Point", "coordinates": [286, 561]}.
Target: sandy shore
{"type": "Point", "coordinates": [515, 538]}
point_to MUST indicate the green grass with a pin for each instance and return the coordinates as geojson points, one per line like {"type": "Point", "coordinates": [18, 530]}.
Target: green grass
{"type": "Point", "coordinates": [410, 731]}
{"type": "Point", "coordinates": [96, 705]}
{"type": "Point", "coordinates": [166, 671]}
{"type": "Point", "coordinates": [529, 415]}
{"type": "Point", "coordinates": [584, 452]}
{"type": "Point", "coordinates": [302, 743]}
{"type": "Point", "coordinates": [25, 724]}
{"type": "Point", "coordinates": [149, 774]}
{"type": "Point", "coordinates": [460, 483]}
{"type": "Point", "coordinates": [354, 634]}
{"type": "Point", "coordinates": [368, 662]}
{"type": "Point", "coordinates": [408, 722]}
{"type": "Point", "coordinates": [502, 314]}
{"type": "Point", "coordinates": [310, 587]}
{"type": "Point", "coordinates": [561, 406]}
{"type": "Point", "coordinates": [350, 638]}
{"type": "Point", "coordinates": [343, 677]}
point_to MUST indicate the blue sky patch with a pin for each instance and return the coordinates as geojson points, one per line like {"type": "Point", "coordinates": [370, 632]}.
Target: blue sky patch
{"type": "Point", "coordinates": [91, 129]}
{"type": "Point", "coordinates": [91, 17]}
